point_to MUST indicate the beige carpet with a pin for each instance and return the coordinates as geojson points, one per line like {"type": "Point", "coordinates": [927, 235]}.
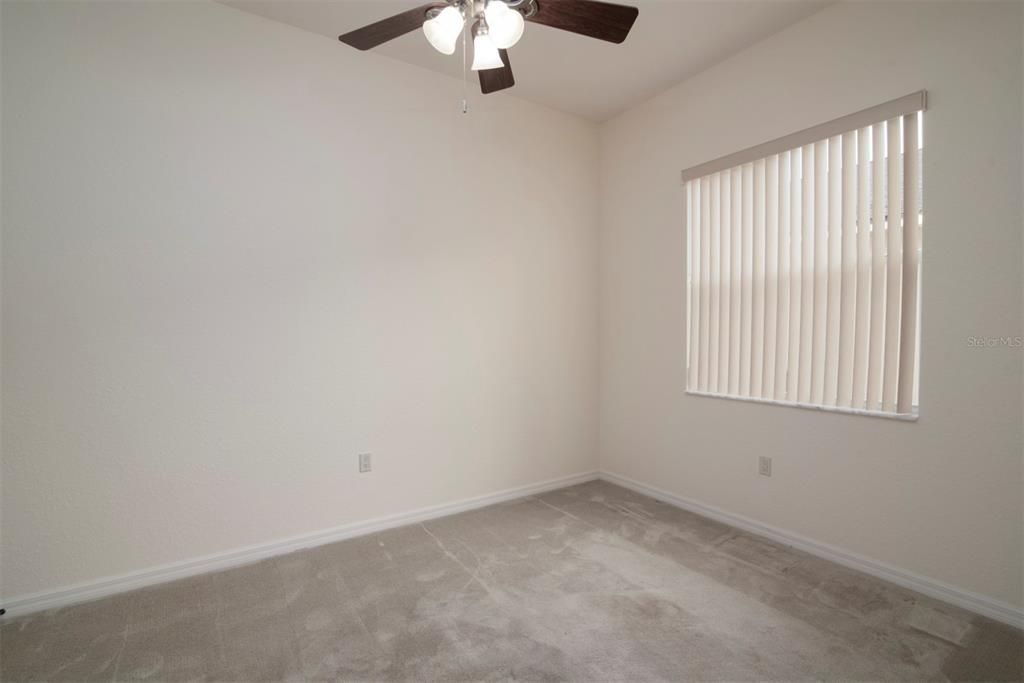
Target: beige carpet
{"type": "Point", "coordinates": [590, 583]}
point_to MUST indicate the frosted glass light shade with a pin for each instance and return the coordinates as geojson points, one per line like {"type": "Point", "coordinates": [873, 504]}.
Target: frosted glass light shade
{"type": "Point", "coordinates": [443, 31]}
{"type": "Point", "coordinates": [485, 54]}
{"type": "Point", "coordinates": [506, 25]}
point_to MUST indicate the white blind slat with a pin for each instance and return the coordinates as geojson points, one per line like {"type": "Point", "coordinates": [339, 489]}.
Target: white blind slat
{"type": "Point", "coordinates": [784, 276]}
{"type": "Point", "coordinates": [835, 269]}
{"type": "Point", "coordinates": [807, 286]}
{"type": "Point", "coordinates": [771, 274]}
{"type": "Point", "coordinates": [705, 289]}
{"type": "Point", "coordinates": [714, 277]}
{"type": "Point", "coordinates": [893, 265]}
{"type": "Point", "coordinates": [795, 275]}
{"type": "Point", "coordinates": [863, 295]}
{"type": "Point", "coordinates": [908, 316]}
{"type": "Point", "coordinates": [876, 344]}
{"type": "Point", "coordinates": [757, 283]}
{"type": "Point", "coordinates": [735, 293]}
{"type": "Point", "coordinates": [693, 263]}
{"type": "Point", "coordinates": [746, 278]}
{"type": "Point", "coordinates": [848, 295]}
{"type": "Point", "coordinates": [725, 268]}
{"type": "Point", "coordinates": [821, 257]}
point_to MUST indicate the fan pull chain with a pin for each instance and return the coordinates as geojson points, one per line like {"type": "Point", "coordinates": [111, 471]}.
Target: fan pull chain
{"type": "Point", "coordinates": [465, 81]}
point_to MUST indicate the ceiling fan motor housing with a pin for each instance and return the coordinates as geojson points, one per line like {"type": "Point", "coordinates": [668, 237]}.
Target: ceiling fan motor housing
{"type": "Point", "coordinates": [599, 19]}
{"type": "Point", "coordinates": [527, 8]}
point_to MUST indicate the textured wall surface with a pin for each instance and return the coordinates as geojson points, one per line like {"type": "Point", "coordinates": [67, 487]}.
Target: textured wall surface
{"type": "Point", "coordinates": [237, 254]}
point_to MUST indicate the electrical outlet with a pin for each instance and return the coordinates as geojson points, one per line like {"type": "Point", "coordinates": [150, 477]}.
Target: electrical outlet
{"type": "Point", "coordinates": [365, 462]}
{"type": "Point", "coordinates": [764, 466]}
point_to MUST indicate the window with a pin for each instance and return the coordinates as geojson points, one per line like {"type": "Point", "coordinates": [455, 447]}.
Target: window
{"type": "Point", "coordinates": [804, 269]}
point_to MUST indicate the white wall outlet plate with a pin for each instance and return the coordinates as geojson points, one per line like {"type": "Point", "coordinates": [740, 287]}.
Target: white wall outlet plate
{"type": "Point", "coordinates": [764, 466]}
{"type": "Point", "coordinates": [365, 462]}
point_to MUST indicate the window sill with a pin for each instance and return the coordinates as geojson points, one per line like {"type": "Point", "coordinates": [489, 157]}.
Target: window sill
{"type": "Point", "coordinates": [902, 417]}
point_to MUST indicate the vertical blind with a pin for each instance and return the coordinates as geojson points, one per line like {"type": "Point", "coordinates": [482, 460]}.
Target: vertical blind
{"type": "Point", "coordinates": [804, 266]}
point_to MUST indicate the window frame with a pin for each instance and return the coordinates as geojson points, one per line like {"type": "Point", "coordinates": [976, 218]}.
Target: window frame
{"type": "Point", "coordinates": [913, 104]}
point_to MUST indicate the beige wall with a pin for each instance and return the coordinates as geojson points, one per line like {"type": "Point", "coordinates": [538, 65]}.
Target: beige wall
{"type": "Point", "coordinates": [940, 497]}
{"type": "Point", "coordinates": [236, 255]}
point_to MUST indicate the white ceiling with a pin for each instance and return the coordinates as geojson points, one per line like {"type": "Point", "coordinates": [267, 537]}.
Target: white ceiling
{"type": "Point", "coordinates": [671, 40]}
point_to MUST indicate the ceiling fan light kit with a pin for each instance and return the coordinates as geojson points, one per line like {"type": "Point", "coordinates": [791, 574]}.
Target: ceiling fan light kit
{"type": "Point", "coordinates": [497, 25]}
{"type": "Point", "coordinates": [443, 28]}
{"type": "Point", "coordinates": [485, 52]}
{"type": "Point", "coordinates": [505, 25]}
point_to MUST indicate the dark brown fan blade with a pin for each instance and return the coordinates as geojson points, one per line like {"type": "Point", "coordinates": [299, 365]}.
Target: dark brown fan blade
{"type": "Point", "coordinates": [603, 20]}
{"type": "Point", "coordinates": [493, 80]}
{"type": "Point", "coordinates": [387, 29]}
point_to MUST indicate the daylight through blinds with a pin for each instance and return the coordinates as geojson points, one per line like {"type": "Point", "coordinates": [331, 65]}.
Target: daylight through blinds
{"type": "Point", "coordinates": [804, 270]}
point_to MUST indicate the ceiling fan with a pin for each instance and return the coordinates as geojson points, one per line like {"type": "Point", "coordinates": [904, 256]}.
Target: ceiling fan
{"type": "Point", "coordinates": [497, 25]}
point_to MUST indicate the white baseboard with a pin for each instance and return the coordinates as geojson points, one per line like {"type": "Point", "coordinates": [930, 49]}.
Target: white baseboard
{"type": "Point", "coordinates": [1000, 611]}
{"type": "Point", "coordinates": [92, 590]}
